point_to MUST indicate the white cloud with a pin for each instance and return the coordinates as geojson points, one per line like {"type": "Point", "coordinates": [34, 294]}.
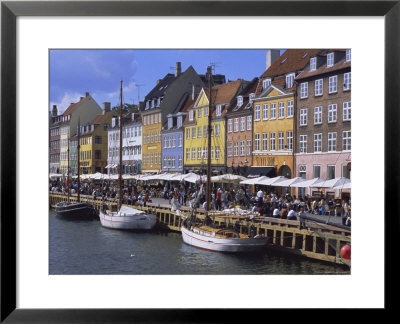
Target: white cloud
{"type": "Point", "coordinates": [66, 101]}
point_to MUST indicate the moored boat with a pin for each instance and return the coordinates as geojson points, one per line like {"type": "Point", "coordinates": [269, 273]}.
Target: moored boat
{"type": "Point", "coordinates": [127, 218]}
{"type": "Point", "coordinates": [76, 211]}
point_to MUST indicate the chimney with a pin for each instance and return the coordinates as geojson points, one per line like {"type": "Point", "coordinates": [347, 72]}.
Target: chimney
{"type": "Point", "coordinates": [158, 81]}
{"type": "Point", "coordinates": [271, 56]}
{"type": "Point", "coordinates": [106, 107]}
{"type": "Point", "coordinates": [178, 68]}
{"type": "Point", "coordinates": [87, 94]}
{"type": "Point", "coordinates": [82, 98]}
{"type": "Point", "coordinates": [55, 111]}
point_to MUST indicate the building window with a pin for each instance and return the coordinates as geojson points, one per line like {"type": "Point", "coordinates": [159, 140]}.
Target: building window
{"type": "Point", "coordinates": [257, 113]}
{"type": "Point", "coordinates": [347, 81]}
{"type": "Point", "coordinates": [289, 140]}
{"type": "Point", "coordinates": [217, 151]}
{"type": "Point", "coordinates": [187, 154]}
{"type": "Point", "coordinates": [249, 122]}
{"type": "Point", "coordinates": [249, 147]}
{"type": "Point", "coordinates": [205, 131]}
{"type": "Point", "coordinates": [318, 115]}
{"type": "Point", "coordinates": [281, 111]}
{"type": "Point", "coordinates": [290, 108]}
{"type": "Point", "coordinates": [272, 141]}
{"type": "Point", "coordinates": [332, 113]}
{"type": "Point", "coordinates": [316, 171]}
{"type": "Point", "coordinates": [348, 55]}
{"type": "Point", "coordinates": [264, 141]}
{"type": "Point", "coordinates": [212, 153]}
{"type": "Point", "coordinates": [303, 117]}
{"type": "Point", "coordinates": [241, 148]}
{"type": "Point", "coordinates": [205, 153]}
{"type": "Point", "coordinates": [219, 110]}
{"type": "Point", "coordinates": [199, 153]}
{"type": "Point", "coordinates": [187, 133]}
{"type": "Point", "coordinates": [332, 142]}
{"type": "Point", "coordinates": [317, 143]}
{"type": "Point", "coordinates": [303, 143]}
{"type": "Point", "coordinates": [236, 125]}
{"type": "Point", "coordinates": [242, 124]}
{"type": "Point", "coordinates": [257, 142]}
{"type": "Point", "coordinates": [229, 149]}
{"type": "Point", "coordinates": [266, 83]}
{"type": "Point", "coordinates": [199, 112]}
{"type": "Point", "coordinates": [330, 59]}
{"type": "Point", "coordinates": [303, 90]}
{"type": "Point", "coordinates": [265, 111]}
{"type": "Point", "coordinates": [347, 111]}
{"type": "Point", "coordinates": [191, 115]}
{"type": "Point", "coordinates": [289, 80]}
{"type": "Point", "coordinates": [346, 141]}
{"type": "Point", "coordinates": [180, 140]}
{"type": "Point", "coordinates": [345, 171]}
{"type": "Point", "coordinates": [236, 149]}
{"type": "Point", "coordinates": [174, 141]}
{"type": "Point", "coordinates": [97, 140]}
{"type": "Point", "coordinates": [217, 130]}
{"type": "Point", "coordinates": [179, 122]}
{"type": "Point", "coordinates": [332, 84]}
{"type": "Point", "coordinates": [165, 142]}
{"type": "Point", "coordinates": [281, 140]}
{"type": "Point", "coordinates": [330, 174]}
{"type": "Point", "coordinates": [193, 153]}
{"type": "Point", "coordinates": [318, 87]}
{"type": "Point", "coordinates": [165, 162]}
{"type": "Point", "coordinates": [240, 101]}
{"type": "Point", "coordinates": [199, 131]}
{"type": "Point", "coordinates": [273, 110]}
{"type": "Point", "coordinates": [313, 64]}
{"type": "Point", "coordinates": [193, 132]}
{"type": "Point", "coordinates": [229, 125]}
{"type": "Point", "coordinates": [180, 161]}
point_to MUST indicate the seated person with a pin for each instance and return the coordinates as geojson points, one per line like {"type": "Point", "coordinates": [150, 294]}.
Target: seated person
{"type": "Point", "coordinates": [292, 215]}
{"type": "Point", "coordinates": [276, 213]}
{"type": "Point", "coordinates": [284, 213]}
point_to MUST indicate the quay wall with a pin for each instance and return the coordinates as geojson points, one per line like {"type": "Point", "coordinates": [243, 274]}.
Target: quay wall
{"type": "Point", "coordinates": [316, 241]}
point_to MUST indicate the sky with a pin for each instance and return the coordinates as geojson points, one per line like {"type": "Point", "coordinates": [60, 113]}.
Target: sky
{"type": "Point", "coordinates": [75, 72]}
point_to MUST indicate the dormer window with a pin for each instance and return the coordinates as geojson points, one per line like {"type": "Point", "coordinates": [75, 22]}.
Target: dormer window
{"type": "Point", "coordinates": [191, 115]}
{"type": "Point", "coordinates": [169, 122]}
{"type": "Point", "coordinates": [219, 109]}
{"type": "Point", "coordinates": [179, 121]}
{"type": "Point", "coordinates": [330, 59]}
{"type": "Point", "coordinates": [313, 64]}
{"type": "Point", "coordinates": [158, 102]}
{"type": "Point", "coordinates": [289, 80]}
{"type": "Point", "coordinates": [266, 83]}
{"type": "Point", "coordinates": [199, 113]}
{"type": "Point", "coordinates": [147, 104]}
{"type": "Point", "coordinates": [348, 55]}
{"type": "Point", "coordinates": [239, 101]}
{"type": "Point", "coordinates": [153, 103]}
{"type": "Point", "coordinates": [251, 97]}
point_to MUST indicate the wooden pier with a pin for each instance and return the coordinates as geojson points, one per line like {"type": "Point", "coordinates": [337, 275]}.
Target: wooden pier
{"type": "Point", "coordinates": [316, 241]}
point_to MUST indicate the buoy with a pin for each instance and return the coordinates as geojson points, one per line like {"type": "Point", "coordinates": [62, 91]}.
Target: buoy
{"type": "Point", "coordinates": [345, 251]}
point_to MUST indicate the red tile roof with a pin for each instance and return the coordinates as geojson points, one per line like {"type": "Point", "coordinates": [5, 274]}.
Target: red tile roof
{"type": "Point", "coordinates": [341, 65]}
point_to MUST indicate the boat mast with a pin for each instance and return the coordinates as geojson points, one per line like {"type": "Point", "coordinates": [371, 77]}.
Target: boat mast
{"type": "Point", "coordinates": [79, 160]}
{"type": "Point", "coordinates": [210, 110]}
{"type": "Point", "coordinates": [120, 151]}
{"type": "Point", "coordinates": [68, 169]}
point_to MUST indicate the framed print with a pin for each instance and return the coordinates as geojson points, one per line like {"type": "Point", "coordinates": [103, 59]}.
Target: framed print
{"type": "Point", "coordinates": [30, 28]}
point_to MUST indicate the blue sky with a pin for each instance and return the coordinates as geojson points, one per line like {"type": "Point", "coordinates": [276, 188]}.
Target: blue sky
{"type": "Point", "coordinates": [74, 72]}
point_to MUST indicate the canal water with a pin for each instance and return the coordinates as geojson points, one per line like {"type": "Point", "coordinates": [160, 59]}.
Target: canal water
{"type": "Point", "coordinates": [85, 247]}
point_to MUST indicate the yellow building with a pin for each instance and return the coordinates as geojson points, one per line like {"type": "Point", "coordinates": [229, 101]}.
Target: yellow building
{"type": "Point", "coordinates": [195, 132]}
{"type": "Point", "coordinates": [94, 144]}
{"type": "Point", "coordinates": [273, 130]}
{"type": "Point", "coordinates": [151, 141]}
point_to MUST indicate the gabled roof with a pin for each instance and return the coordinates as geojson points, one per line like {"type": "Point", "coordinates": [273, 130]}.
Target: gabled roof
{"type": "Point", "coordinates": [323, 69]}
{"type": "Point", "coordinates": [291, 60]}
{"type": "Point", "coordinates": [245, 93]}
{"type": "Point", "coordinates": [99, 119]}
{"type": "Point", "coordinates": [74, 106]}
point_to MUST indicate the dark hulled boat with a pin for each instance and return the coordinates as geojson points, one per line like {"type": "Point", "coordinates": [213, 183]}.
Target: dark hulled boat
{"type": "Point", "coordinates": [76, 211]}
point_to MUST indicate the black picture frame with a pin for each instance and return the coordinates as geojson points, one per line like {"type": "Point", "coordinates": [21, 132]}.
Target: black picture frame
{"type": "Point", "coordinates": [10, 10]}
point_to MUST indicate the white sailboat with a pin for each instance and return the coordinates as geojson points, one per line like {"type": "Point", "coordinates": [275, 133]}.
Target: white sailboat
{"type": "Point", "coordinates": [205, 234]}
{"type": "Point", "coordinates": [125, 217]}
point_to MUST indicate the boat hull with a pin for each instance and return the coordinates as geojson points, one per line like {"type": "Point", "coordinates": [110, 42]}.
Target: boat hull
{"type": "Point", "coordinates": [76, 211]}
{"type": "Point", "coordinates": [128, 222]}
{"type": "Point", "coordinates": [222, 244]}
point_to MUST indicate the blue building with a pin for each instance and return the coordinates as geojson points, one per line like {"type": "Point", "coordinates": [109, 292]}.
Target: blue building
{"type": "Point", "coordinates": [172, 137]}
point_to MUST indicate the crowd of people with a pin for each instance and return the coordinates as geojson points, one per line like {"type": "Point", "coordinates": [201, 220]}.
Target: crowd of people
{"type": "Point", "coordinates": [269, 204]}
